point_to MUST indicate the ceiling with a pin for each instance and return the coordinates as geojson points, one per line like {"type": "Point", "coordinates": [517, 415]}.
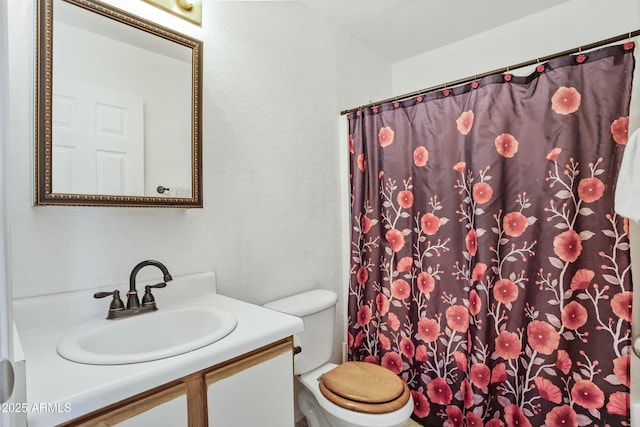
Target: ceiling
{"type": "Point", "coordinates": [399, 29]}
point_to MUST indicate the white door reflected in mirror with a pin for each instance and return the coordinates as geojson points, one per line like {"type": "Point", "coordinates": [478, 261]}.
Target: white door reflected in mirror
{"type": "Point", "coordinates": [143, 145]}
{"type": "Point", "coordinates": [98, 140]}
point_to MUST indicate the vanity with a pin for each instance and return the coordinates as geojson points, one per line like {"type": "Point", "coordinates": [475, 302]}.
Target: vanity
{"type": "Point", "coordinates": [244, 378]}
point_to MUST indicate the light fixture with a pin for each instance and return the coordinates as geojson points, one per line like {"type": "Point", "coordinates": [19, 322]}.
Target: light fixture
{"type": "Point", "coordinates": [188, 4]}
{"type": "Point", "coordinates": [190, 10]}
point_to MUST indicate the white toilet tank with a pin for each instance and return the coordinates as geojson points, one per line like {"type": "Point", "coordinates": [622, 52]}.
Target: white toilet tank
{"type": "Point", "coordinates": [317, 310]}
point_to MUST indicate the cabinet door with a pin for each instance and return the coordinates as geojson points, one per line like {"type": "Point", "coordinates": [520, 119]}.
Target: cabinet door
{"type": "Point", "coordinates": [256, 392]}
{"type": "Point", "coordinates": [163, 408]}
{"type": "Point", "coordinates": [170, 414]}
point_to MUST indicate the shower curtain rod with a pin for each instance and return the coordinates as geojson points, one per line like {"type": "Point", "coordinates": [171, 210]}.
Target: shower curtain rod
{"type": "Point", "coordinates": [618, 38]}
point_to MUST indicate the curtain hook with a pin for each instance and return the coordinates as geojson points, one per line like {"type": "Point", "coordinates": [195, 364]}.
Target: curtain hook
{"type": "Point", "coordinates": [507, 76]}
{"type": "Point", "coordinates": [629, 43]}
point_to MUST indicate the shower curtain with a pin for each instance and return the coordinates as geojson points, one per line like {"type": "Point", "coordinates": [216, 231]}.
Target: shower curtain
{"type": "Point", "coordinates": [488, 267]}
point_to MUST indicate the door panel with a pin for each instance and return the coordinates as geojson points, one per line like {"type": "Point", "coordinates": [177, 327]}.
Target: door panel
{"type": "Point", "coordinates": [98, 140]}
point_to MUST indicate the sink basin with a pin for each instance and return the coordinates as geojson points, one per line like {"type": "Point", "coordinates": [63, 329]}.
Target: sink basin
{"type": "Point", "coordinates": [145, 337]}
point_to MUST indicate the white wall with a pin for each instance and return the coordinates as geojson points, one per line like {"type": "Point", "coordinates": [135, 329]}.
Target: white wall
{"type": "Point", "coordinates": [275, 79]}
{"type": "Point", "coordinates": [275, 85]}
{"type": "Point", "coordinates": [566, 26]}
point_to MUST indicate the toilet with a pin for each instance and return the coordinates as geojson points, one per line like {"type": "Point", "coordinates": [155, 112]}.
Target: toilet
{"type": "Point", "coordinates": [352, 394]}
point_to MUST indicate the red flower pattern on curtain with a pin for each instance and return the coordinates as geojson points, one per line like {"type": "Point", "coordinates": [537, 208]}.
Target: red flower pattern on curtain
{"type": "Point", "coordinates": [488, 268]}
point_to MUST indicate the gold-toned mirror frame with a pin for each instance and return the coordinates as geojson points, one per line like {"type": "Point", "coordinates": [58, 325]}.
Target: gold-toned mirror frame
{"type": "Point", "coordinates": [44, 194]}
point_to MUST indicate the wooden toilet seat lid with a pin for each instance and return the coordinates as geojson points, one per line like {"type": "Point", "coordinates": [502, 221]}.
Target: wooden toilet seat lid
{"type": "Point", "coordinates": [364, 387]}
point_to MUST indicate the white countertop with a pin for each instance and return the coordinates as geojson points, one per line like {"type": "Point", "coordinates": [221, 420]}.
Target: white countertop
{"type": "Point", "coordinates": [63, 384]}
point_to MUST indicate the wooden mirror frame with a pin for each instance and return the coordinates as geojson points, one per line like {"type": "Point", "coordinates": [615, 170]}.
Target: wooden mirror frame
{"type": "Point", "coordinates": [44, 194]}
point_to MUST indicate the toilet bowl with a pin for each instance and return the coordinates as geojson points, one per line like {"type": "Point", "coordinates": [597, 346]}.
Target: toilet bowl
{"type": "Point", "coordinates": [352, 394]}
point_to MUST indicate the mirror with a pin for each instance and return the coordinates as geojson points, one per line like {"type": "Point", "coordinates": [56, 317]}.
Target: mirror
{"type": "Point", "coordinates": [118, 110]}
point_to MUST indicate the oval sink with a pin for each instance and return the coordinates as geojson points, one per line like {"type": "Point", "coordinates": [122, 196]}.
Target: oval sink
{"type": "Point", "coordinates": [145, 337]}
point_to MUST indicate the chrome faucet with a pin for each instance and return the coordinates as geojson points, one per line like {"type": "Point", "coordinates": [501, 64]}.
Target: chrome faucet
{"type": "Point", "coordinates": [117, 309]}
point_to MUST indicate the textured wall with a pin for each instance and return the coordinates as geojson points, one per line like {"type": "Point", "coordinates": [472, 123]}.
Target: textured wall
{"type": "Point", "coordinates": [566, 26]}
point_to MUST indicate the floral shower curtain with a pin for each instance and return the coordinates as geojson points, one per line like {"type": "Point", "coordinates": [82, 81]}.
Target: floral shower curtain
{"type": "Point", "coordinates": [488, 267]}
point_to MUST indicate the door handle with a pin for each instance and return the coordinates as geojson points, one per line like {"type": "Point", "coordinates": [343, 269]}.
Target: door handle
{"type": "Point", "coordinates": [7, 379]}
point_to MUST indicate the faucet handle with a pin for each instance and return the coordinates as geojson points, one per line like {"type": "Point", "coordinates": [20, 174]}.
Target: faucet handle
{"type": "Point", "coordinates": [157, 285]}
{"type": "Point", "coordinates": [148, 298]}
{"type": "Point", "coordinates": [116, 303]}
{"type": "Point", "coordinates": [104, 294]}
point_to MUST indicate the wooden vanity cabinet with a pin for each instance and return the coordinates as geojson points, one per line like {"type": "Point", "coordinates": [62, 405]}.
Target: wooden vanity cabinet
{"type": "Point", "coordinates": [253, 389]}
